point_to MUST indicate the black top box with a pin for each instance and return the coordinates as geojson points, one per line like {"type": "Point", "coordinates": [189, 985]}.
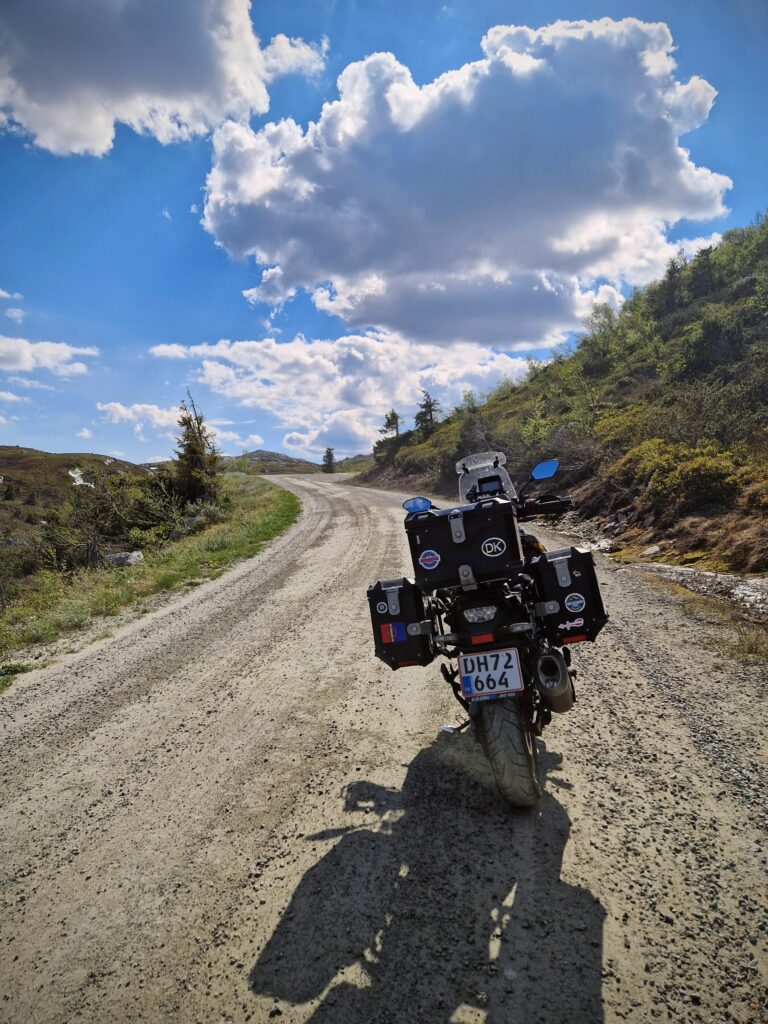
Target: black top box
{"type": "Point", "coordinates": [464, 545]}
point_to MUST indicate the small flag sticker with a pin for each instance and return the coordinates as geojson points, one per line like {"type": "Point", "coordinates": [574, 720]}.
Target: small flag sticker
{"type": "Point", "coordinates": [393, 632]}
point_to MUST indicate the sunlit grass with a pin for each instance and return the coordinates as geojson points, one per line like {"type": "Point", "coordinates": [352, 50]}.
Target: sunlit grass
{"type": "Point", "coordinates": [56, 604]}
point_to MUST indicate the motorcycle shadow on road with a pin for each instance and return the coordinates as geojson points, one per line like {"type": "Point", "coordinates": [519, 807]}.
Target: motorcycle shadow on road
{"type": "Point", "coordinates": [438, 903]}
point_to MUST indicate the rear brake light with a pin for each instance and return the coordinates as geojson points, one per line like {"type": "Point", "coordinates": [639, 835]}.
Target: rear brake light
{"type": "Point", "coordinates": [574, 639]}
{"type": "Point", "coordinates": [482, 638]}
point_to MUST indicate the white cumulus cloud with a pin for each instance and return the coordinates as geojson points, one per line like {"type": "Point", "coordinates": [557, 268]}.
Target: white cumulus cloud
{"type": "Point", "coordinates": [19, 354]}
{"type": "Point", "coordinates": [337, 392]}
{"type": "Point", "coordinates": [9, 396]}
{"type": "Point", "coordinates": [70, 70]}
{"type": "Point", "coordinates": [85, 433]}
{"type": "Point", "coordinates": [139, 413]}
{"type": "Point", "coordinates": [17, 296]}
{"type": "Point", "coordinates": [489, 204]}
{"type": "Point", "coordinates": [16, 314]}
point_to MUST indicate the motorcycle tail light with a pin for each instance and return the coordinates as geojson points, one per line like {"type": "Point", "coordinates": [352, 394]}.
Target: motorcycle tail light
{"type": "Point", "coordinates": [482, 638]}
{"type": "Point", "coordinates": [574, 639]}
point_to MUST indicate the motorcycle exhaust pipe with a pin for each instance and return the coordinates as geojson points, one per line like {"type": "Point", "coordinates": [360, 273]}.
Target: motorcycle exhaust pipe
{"type": "Point", "coordinates": [553, 682]}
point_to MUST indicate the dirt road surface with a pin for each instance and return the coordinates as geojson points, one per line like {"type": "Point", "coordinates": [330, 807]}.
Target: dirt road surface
{"type": "Point", "coordinates": [231, 811]}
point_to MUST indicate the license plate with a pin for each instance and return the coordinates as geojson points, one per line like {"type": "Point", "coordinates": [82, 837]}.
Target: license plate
{"type": "Point", "coordinates": [490, 674]}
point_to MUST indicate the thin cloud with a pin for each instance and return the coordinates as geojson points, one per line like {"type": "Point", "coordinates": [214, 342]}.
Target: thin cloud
{"type": "Point", "coordinates": [31, 384]}
{"type": "Point", "coordinates": [165, 421]}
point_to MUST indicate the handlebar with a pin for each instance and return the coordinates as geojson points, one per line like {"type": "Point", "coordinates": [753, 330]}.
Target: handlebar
{"type": "Point", "coordinates": [546, 506]}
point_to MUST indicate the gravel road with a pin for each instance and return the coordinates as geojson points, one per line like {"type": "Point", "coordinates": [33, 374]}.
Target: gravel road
{"type": "Point", "coordinates": [231, 811]}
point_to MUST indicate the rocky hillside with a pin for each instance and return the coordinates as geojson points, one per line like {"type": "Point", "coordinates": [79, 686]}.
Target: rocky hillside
{"type": "Point", "coordinates": [32, 481]}
{"type": "Point", "coordinates": [659, 414]}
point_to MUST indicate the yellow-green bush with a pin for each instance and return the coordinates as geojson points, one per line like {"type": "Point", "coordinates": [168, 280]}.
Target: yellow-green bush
{"type": "Point", "coordinates": [676, 476]}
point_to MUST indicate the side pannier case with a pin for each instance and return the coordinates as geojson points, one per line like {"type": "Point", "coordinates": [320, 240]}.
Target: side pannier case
{"type": "Point", "coordinates": [401, 632]}
{"type": "Point", "coordinates": [569, 601]}
{"type": "Point", "coordinates": [466, 545]}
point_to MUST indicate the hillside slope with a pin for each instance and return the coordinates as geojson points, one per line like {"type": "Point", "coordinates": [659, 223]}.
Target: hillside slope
{"type": "Point", "coordinates": [32, 481]}
{"type": "Point", "coordinates": [274, 462]}
{"type": "Point", "coordinates": [659, 416]}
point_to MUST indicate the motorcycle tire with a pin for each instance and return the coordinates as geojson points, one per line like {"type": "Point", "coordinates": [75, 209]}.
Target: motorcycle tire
{"type": "Point", "coordinates": [510, 746]}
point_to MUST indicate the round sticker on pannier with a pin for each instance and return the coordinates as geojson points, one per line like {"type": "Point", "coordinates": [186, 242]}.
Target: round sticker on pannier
{"type": "Point", "coordinates": [575, 603]}
{"type": "Point", "coordinates": [429, 559]}
{"type": "Point", "coordinates": [492, 547]}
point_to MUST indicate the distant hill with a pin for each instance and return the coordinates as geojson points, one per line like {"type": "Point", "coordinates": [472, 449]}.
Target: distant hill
{"type": "Point", "coordinates": [354, 464]}
{"type": "Point", "coordinates": [33, 481]}
{"type": "Point", "coordinates": [275, 462]}
{"type": "Point", "coordinates": [278, 462]}
{"type": "Point", "coordinates": [659, 416]}
{"type": "Point", "coordinates": [48, 474]}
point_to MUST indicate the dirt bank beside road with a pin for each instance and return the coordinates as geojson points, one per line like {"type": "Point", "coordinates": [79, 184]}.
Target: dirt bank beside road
{"type": "Point", "coordinates": [231, 811]}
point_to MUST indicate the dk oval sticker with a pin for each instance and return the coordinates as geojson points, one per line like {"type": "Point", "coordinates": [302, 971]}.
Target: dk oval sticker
{"type": "Point", "coordinates": [492, 547]}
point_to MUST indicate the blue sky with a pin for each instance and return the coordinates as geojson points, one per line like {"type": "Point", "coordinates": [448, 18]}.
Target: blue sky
{"type": "Point", "coordinates": [418, 231]}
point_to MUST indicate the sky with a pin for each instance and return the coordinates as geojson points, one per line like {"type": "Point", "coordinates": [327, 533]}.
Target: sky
{"type": "Point", "coordinates": [306, 212]}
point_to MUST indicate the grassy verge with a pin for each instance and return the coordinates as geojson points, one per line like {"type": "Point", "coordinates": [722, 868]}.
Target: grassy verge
{"type": "Point", "coordinates": [58, 604]}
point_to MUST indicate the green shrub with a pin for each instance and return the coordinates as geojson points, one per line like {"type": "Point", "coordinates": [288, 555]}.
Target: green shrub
{"type": "Point", "coordinates": [417, 458]}
{"type": "Point", "coordinates": [702, 480]}
{"type": "Point", "coordinates": [674, 476]}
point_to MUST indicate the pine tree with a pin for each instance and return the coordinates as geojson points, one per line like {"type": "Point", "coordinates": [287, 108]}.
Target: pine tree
{"type": "Point", "coordinates": [329, 461]}
{"type": "Point", "coordinates": [197, 470]}
{"type": "Point", "coordinates": [392, 422]}
{"type": "Point", "coordinates": [427, 416]}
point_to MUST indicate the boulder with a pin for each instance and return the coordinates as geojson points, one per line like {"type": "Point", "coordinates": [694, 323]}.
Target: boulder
{"type": "Point", "coordinates": [121, 558]}
{"type": "Point", "coordinates": [654, 549]}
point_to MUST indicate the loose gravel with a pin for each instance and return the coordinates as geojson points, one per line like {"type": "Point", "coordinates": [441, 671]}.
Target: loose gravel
{"type": "Point", "coordinates": [231, 811]}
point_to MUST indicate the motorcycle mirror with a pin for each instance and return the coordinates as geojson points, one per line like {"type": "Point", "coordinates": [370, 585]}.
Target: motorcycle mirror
{"type": "Point", "coordinates": [417, 504]}
{"type": "Point", "coordinates": [544, 470]}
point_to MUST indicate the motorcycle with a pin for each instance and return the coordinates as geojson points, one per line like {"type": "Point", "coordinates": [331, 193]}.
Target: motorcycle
{"type": "Point", "coordinates": [489, 597]}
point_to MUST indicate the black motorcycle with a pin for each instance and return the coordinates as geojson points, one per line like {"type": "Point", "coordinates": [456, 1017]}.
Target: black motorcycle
{"type": "Point", "coordinates": [489, 596]}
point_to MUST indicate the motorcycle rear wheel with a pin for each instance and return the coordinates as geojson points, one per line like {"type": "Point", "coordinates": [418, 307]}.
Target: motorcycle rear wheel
{"type": "Point", "coordinates": [510, 746]}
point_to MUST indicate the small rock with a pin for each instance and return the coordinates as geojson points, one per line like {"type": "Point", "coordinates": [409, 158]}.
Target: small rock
{"type": "Point", "coordinates": [121, 558]}
{"type": "Point", "coordinates": [654, 549]}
